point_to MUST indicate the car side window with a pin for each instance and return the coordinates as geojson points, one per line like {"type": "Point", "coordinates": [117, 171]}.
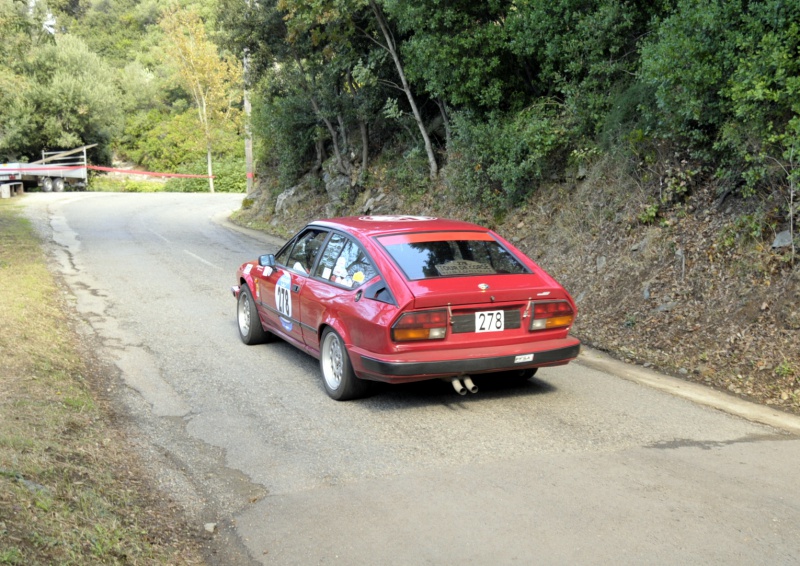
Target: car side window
{"type": "Point", "coordinates": [345, 263]}
{"type": "Point", "coordinates": [329, 256]}
{"type": "Point", "coordinates": [304, 252]}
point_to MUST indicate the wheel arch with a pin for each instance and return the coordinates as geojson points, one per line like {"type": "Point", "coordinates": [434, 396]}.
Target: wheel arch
{"type": "Point", "coordinates": [249, 281]}
{"type": "Point", "coordinates": [330, 321]}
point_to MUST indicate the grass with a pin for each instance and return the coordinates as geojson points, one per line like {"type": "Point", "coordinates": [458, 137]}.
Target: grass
{"type": "Point", "coordinates": [123, 185]}
{"type": "Point", "coordinates": [70, 491]}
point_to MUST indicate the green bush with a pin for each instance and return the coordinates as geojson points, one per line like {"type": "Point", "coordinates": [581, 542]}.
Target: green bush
{"type": "Point", "coordinates": [230, 176]}
{"type": "Point", "coordinates": [500, 160]}
{"type": "Point", "coordinates": [726, 76]}
{"type": "Point", "coordinates": [288, 128]}
{"type": "Point", "coordinates": [102, 183]}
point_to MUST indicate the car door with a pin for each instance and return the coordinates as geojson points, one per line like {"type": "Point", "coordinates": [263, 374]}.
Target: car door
{"type": "Point", "coordinates": [332, 290]}
{"type": "Point", "coordinates": [279, 287]}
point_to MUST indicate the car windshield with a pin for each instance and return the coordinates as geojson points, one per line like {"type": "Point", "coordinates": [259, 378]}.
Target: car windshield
{"type": "Point", "coordinates": [450, 254]}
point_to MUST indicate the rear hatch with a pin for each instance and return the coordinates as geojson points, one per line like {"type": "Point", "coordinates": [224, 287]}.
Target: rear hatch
{"type": "Point", "coordinates": [478, 286]}
{"type": "Point", "coordinates": [467, 291]}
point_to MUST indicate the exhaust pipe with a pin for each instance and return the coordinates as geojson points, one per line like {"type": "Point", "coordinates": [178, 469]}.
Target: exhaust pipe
{"type": "Point", "coordinates": [470, 385]}
{"type": "Point", "coordinates": [458, 386]}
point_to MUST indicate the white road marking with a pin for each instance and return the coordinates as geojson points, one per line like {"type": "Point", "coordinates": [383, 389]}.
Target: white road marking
{"type": "Point", "coordinates": [200, 259]}
{"type": "Point", "coordinates": [159, 235]}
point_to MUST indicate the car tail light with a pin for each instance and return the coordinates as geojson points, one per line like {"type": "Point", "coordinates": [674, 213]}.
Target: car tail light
{"type": "Point", "coordinates": [425, 325]}
{"type": "Point", "coordinates": [553, 314]}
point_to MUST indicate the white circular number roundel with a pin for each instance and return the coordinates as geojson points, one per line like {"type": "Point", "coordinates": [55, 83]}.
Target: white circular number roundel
{"type": "Point", "coordinates": [283, 301]}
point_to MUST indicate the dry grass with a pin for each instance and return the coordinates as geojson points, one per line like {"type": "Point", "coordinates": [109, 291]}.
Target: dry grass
{"type": "Point", "coordinates": [70, 492]}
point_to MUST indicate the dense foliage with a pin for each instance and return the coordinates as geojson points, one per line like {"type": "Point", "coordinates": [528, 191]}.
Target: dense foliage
{"type": "Point", "coordinates": [499, 95]}
{"type": "Point", "coordinates": [514, 92]}
{"type": "Point", "coordinates": [78, 72]}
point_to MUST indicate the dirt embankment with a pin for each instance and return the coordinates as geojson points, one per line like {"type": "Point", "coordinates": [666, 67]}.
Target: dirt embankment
{"type": "Point", "coordinates": [695, 290]}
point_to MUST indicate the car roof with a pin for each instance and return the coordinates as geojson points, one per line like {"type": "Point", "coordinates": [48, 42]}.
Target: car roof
{"type": "Point", "coordinates": [368, 226]}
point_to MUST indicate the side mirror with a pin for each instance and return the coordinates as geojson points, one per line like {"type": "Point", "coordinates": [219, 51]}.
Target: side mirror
{"type": "Point", "coordinates": [267, 260]}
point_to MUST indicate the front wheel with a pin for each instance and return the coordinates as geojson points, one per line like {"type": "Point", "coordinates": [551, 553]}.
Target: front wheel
{"type": "Point", "coordinates": [338, 376]}
{"type": "Point", "coordinates": [250, 329]}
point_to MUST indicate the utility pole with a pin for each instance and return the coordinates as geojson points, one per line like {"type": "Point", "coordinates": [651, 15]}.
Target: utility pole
{"type": "Point", "coordinates": [248, 133]}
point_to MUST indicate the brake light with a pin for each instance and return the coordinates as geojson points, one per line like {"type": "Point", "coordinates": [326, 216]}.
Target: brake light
{"type": "Point", "coordinates": [425, 325]}
{"type": "Point", "coordinates": [553, 314]}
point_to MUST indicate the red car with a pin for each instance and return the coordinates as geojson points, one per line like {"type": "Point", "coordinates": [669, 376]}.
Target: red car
{"type": "Point", "coordinates": [406, 298]}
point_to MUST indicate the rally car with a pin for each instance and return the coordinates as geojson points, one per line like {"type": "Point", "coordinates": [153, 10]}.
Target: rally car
{"type": "Point", "coordinates": [406, 298]}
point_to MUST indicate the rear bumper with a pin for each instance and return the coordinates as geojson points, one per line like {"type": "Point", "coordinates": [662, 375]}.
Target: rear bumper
{"type": "Point", "coordinates": [470, 362]}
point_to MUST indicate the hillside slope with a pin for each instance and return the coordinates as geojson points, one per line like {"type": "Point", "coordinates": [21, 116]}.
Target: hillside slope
{"type": "Point", "coordinates": [694, 291]}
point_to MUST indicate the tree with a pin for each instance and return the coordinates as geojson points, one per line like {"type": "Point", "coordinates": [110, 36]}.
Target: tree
{"type": "Point", "coordinates": [214, 83]}
{"type": "Point", "coordinates": [66, 98]}
{"type": "Point", "coordinates": [458, 51]}
{"type": "Point", "coordinates": [390, 45]}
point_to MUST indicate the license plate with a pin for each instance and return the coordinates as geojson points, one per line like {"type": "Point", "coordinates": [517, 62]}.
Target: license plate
{"type": "Point", "coordinates": [489, 321]}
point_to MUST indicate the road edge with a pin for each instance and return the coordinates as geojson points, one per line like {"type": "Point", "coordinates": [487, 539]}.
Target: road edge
{"type": "Point", "coordinates": [691, 391]}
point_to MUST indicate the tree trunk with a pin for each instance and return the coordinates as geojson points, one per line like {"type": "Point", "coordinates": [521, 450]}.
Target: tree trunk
{"type": "Point", "coordinates": [343, 130]}
{"type": "Point", "coordinates": [362, 125]}
{"type": "Point", "coordinates": [391, 46]}
{"type": "Point", "coordinates": [446, 119]}
{"type": "Point", "coordinates": [210, 171]}
{"type": "Point", "coordinates": [343, 168]}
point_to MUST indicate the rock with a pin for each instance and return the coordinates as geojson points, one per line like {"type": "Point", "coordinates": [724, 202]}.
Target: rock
{"type": "Point", "coordinates": [286, 199]}
{"type": "Point", "coordinates": [331, 209]}
{"type": "Point", "coordinates": [683, 371]}
{"type": "Point", "coordinates": [210, 527]}
{"type": "Point", "coordinates": [34, 487]}
{"type": "Point", "coordinates": [365, 197]}
{"type": "Point", "coordinates": [782, 240]}
{"type": "Point", "coordinates": [646, 292]}
{"type": "Point", "coordinates": [640, 246]}
{"type": "Point", "coordinates": [666, 307]}
{"type": "Point", "coordinates": [336, 185]}
{"type": "Point", "coordinates": [601, 263]}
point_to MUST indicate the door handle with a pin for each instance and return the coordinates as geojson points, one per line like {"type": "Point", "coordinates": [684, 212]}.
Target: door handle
{"type": "Point", "coordinates": [295, 288]}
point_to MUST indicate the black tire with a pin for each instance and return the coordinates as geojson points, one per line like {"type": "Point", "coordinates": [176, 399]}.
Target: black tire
{"type": "Point", "coordinates": [47, 184]}
{"type": "Point", "coordinates": [250, 330]}
{"type": "Point", "coordinates": [338, 377]}
{"type": "Point", "coordinates": [58, 185]}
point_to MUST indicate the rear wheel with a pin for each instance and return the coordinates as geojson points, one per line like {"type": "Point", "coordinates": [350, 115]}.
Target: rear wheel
{"type": "Point", "coordinates": [58, 185]}
{"type": "Point", "coordinates": [250, 329]}
{"type": "Point", "coordinates": [47, 184]}
{"type": "Point", "coordinates": [338, 377]}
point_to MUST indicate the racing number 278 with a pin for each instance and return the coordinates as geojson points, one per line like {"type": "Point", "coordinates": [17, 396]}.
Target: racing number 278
{"type": "Point", "coordinates": [283, 301]}
{"type": "Point", "coordinates": [489, 321]}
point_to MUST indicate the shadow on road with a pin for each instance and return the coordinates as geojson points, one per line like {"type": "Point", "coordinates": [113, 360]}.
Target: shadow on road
{"type": "Point", "coordinates": [439, 392]}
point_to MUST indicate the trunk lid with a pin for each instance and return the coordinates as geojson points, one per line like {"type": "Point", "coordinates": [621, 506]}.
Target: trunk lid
{"type": "Point", "coordinates": [465, 291]}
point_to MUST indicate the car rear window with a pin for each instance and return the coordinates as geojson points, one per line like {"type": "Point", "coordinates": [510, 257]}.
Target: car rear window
{"type": "Point", "coordinates": [450, 254]}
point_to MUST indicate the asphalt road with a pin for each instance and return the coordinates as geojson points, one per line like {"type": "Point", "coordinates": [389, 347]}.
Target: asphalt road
{"type": "Point", "coordinates": [584, 464]}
